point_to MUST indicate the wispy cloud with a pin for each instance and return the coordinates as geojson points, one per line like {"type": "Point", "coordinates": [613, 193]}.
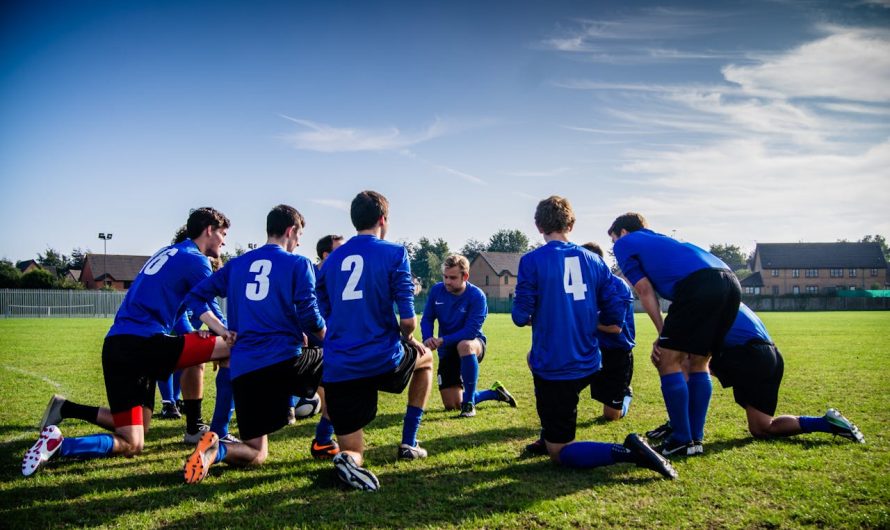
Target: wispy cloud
{"type": "Point", "coordinates": [328, 139]}
{"type": "Point", "coordinates": [473, 179]}
{"type": "Point", "coordinates": [555, 172]}
{"type": "Point", "coordinates": [337, 204]}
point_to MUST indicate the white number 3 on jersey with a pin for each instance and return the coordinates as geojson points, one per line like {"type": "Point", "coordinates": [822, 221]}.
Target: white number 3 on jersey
{"type": "Point", "coordinates": [572, 279]}
{"type": "Point", "coordinates": [258, 289]}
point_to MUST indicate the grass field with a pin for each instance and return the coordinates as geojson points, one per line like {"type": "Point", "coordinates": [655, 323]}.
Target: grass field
{"type": "Point", "coordinates": [474, 476]}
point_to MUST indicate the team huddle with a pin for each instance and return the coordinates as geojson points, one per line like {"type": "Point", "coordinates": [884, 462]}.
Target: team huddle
{"type": "Point", "coordinates": [344, 330]}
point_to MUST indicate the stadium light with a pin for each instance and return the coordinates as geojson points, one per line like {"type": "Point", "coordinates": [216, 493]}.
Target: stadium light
{"type": "Point", "coordinates": [105, 237]}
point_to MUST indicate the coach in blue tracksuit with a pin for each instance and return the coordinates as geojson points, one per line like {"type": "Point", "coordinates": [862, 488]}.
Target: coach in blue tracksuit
{"type": "Point", "coordinates": [564, 291]}
{"type": "Point", "coordinates": [705, 295]}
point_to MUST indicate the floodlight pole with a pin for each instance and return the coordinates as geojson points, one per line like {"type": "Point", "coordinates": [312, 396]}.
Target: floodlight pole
{"type": "Point", "coordinates": [105, 237]}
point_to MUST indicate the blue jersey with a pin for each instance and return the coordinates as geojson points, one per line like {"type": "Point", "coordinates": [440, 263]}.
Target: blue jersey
{"type": "Point", "coordinates": [314, 341]}
{"type": "Point", "coordinates": [662, 259]}
{"type": "Point", "coordinates": [190, 322]}
{"type": "Point", "coordinates": [271, 302]}
{"type": "Point", "coordinates": [565, 290]}
{"type": "Point", "coordinates": [627, 338]}
{"type": "Point", "coordinates": [747, 326]}
{"type": "Point", "coordinates": [153, 303]}
{"type": "Point", "coordinates": [358, 286]}
{"type": "Point", "coordinates": [460, 316]}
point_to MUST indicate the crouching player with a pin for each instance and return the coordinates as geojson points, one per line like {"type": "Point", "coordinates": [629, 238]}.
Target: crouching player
{"type": "Point", "coordinates": [563, 291]}
{"type": "Point", "coordinates": [138, 350]}
{"type": "Point", "coordinates": [752, 366]}
{"type": "Point", "coordinates": [271, 300]}
{"type": "Point", "coordinates": [461, 308]}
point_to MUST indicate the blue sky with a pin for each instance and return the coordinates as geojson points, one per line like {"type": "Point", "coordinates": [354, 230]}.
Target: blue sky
{"type": "Point", "coordinates": [722, 122]}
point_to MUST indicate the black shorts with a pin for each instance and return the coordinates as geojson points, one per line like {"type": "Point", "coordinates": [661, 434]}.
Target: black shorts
{"type": "Point", "coordinates": [132, 365]}
{"type": "Point", "coordinates": [612, 382]}
{"type": "Point", "coordinates": [557, 404]}
{"type": "Point", "coordinates": [449, 365]}
{"type": "Point", "coordinates": [754, 371]}
{"type": "Point", "coordinates": [704, 307]}
{"type": "Point", "coordinates": [262, 397]}
{"type": "Point", "coordinates": [353, 404]}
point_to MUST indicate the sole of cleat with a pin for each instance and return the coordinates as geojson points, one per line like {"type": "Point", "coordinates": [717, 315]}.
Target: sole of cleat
{"type": "Point", "coordinates": [197, 466]}
{"type": "Point", "coordinates": [353, 476]}
{"type": "Point", "coordinates": [46, 446]}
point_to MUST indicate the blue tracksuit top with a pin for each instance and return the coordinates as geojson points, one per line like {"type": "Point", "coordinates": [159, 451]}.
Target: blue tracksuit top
{"type": "Point", "coordinates": [460, 316]}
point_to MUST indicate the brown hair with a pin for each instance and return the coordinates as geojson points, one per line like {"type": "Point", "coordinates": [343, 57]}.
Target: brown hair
{"type": "Point", "coordinates": [201, 218]}
{"type": "Point", "coordinates": [593, 247]}
{"type": "Point", "coordinates": [554, 214]}
{"type": "Point", "coordinates": [456, 260]}
{"type": "Point", "coordinates": [281, 218]}
{"type": "Point", "coordinates": [367, 208]}
{"type": "Point", "coordinates": [631, 221]}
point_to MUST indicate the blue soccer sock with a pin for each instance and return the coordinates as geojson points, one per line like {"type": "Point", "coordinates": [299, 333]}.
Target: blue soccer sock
{"type": "Point", "coordinates": [221, 453]}
{"type": "Point", "coordinates": [177, 385]}
{"type": "Point", "coordinates": [225, 403]}
{"type": "Point", "coordinates": [469, 373]}
{"type": "Point", "coordinates": [324, 431]}
{"type": "Point", "coordinates": [585, 455]}
{"type": "Point", "coordinates": [700, 389]}
{"type": "Point", "coordinates": [676, 401]}
{"type": "Point", "coordinates": [813, 424]}
{"type": "Point", "coordinates": [411, 425]}
{"type": "Point", "coordinates": [165, 387]}
{"type": "Point", "coordinates": [92, 446]}
{"type": "Point", "coordinates": [485, 395]}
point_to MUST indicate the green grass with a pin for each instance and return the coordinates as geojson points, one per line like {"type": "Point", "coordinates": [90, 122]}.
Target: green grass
{"type": "Point", "coordinates": [474, 476]}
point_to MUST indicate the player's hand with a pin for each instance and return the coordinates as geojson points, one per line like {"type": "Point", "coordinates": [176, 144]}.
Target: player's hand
{"type": "Point", "coordinates": [417, 345]}
{"type": "Point", "coordinates": [431, 343]}
{"type": "Point", "coordinates": [656, 354]}
{"type": "Point", "coordinates": [203, 333]}
{"type": "Point", "coordinates": [230, 337]}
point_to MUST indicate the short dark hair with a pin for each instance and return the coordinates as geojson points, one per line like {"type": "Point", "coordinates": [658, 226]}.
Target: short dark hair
{"type": "Point", "coordinates": [593, 247]}
{"type": "Point", "coordinates": [326, 244]}
{"type": "Point", "coordinates": [201, 218]}
{"type": "Point", "coordinates": [631, 221]}
{"type": "Point", "coordinates": [281, 218]}
{"type": "Point", "coordinates": [180, 235]}
{"type": "Point", "coordinates": [367, 208]}
{"type": "Point", "coordinates": [554, 214]}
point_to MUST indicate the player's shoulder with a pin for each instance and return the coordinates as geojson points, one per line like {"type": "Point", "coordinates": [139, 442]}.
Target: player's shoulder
{"type": "Point", "coordinates": [474, 290]}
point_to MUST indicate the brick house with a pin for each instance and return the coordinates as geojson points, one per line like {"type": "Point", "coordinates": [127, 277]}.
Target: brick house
{"type": "Point", "coordinates": [814, 268]}
{"type": "Point", "coordinates": [495, 273]}
{"type": "Point", "coordinates": [117, 270]}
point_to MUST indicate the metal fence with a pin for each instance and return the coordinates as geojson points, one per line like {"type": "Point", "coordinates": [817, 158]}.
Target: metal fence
{"type": "Point", "coordinates": [41, 303]}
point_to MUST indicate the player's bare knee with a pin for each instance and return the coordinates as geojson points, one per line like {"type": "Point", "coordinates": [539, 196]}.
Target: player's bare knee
{"type": "Point", "coordinates": [423, 363]}
{"type": "Point", "coordinates": [611, 414]}
{"type": "Point", "coordinates": [465, 348]}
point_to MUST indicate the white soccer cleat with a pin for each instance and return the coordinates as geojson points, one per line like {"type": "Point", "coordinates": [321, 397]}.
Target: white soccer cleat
{"type": "Point", "coordinates": [353, 476]}
{"type": "Point", "coordinates": [43, 449]}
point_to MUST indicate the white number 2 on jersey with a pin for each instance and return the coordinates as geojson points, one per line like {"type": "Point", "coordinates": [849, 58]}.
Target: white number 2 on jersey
{"type": "Point", "coordinates": [259, 288]}
{"type": "Point", "coordinates": [572, 280]}
{"type": "Point", "coordinates": [355, 263]}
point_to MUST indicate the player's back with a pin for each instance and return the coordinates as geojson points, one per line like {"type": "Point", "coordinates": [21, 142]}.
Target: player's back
{"type": "Point", "coordinates": [561, 286]}
{"type": "Point", "coordinates": [661, 259]}
{"type": "Point", "coordinates": [358, 285]}
{"type": "Point", "coordinates": [746, 327]}
{"type": "Point", "coordinates": [153, 302]}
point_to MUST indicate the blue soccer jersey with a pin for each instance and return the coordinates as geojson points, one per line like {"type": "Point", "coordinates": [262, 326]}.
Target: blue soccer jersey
{"type": "Point", "coordinates": [746, 327]}
{"type": "Point", "coordinates": [153, 303]}
{"type": "Point", "coordinates": [190, 322]}
{"type": "Point", "coordinates": [357, 287]}
{"type": "Point", "coordinates": [627, 338]}
{"type": "Point", "coordinates": [271, 301]}
{"type": "Point", "coordinates": [314, 341]}
{"type": "Point", "coordinates": [662, 259]}
{"type": "Point", "coordinates": [563, 290]}
{"type": "Point", "coordinates": [460, 316]}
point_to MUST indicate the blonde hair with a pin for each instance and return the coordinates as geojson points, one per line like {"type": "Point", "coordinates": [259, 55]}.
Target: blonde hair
{"type": "Point", "coordinates": [456, 260]}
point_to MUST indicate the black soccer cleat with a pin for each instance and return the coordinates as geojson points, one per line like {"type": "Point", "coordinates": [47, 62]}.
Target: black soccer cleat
{"type": "Point", "coordinates": [538, 448]}
{"type": "Point", "coordinates": [351, 475]}
{"type": "Point", "coordinates": [661, 432]}
{"type": "Point", "coordinates": [645, 456]}
{"type": "Point", "coordinates": [672, 447]}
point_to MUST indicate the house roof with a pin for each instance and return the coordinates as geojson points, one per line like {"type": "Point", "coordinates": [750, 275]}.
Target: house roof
{"type": "Point", "coordinates": [75, 274]}
{"type": "Point", "coordinates": [120, 267]}
{"type": "Point", "coordinates": [820, 255]}
{"type": "Point", "coordinates": [22, 265]}
{"type": "Point", "coordinates": [502, 262]}
{"type": "Point", "coordinates": [754, 280]}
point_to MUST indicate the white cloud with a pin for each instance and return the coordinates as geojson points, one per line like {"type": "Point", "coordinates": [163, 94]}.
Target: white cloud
{"type": "Point", "coordinates": [328, 139]}
{"type": "Point", "coordinates": [332, 203]}
{"type": "Point", "coordinates": [442, 168]}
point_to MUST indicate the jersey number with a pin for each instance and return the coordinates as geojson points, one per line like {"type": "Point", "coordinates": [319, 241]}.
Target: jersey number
{"type": "Point", "coordinates": [572, 280]}
{"type": "Point", "coordinates": [158, 260]}
{"type": "Point", "coordinates": [354, 263]}
{"type": "Point", "coordinates": [258, 289]}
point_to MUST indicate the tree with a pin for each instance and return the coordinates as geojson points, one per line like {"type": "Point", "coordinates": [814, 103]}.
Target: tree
{"type": "Point", "coordinates": [880, 240]}
{"type": "Point", "coordinates": [78, 256]}
{"type": "Point", "coordinates": [53, 259]}
{"type": "Point", "coordinates": [39, 279]}
{"type": "Point", "coordinates": [422, 266]}
{"type": "Point", "coordinates": [10, 276]}
{"type": "Point", "coordinates": [473, 248]}
{"type": "Point", "coordinates": [508, 241]}
{"type": "Point", "coordinates": [732, 255]}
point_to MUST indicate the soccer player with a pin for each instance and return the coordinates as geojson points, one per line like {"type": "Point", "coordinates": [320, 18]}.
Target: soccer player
{"type": "Point", "coordinates": [461, 308]}
{"type": "Point", "coordinates": [138, 350]}
{"type": "Point", "coordinates": [366, 348]}
{"type": "Point", "coordinates": [563, 292]}
{"type": "Point", "coordinates": [705, 295]}
{"type": "Point", "coordinates": [271, 302]}
{"type": "Point", "coordinates": [752, 366]}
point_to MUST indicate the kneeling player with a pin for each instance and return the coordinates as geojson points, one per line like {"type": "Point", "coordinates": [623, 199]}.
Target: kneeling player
{"type": "Point", "coordinates": [138, 350]}
{"type": "Point", "coordinates": [271, 297]}
{"type": "Point", "coordinates": [752, 366]}
{"type": "Point", "coordinates": [461, 308]}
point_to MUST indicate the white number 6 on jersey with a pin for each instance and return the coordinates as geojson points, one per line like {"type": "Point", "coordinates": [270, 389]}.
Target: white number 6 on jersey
{"type": "Point", "coordinates": [355, 263]}
{"type": "Point", "coordinates": [573, 280]}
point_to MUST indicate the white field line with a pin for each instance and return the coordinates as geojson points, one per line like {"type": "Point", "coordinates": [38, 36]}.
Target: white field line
{"type": "Point", "coordinates": [47, 380]}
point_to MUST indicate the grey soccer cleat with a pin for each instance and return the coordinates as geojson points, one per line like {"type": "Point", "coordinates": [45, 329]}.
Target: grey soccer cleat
{"type": "Point", "coordinates": [467, 410]}
{"type": "Point", "coordinates": [843, 427]}
{"type": "Point", "coordinates": [411, 452]}
{"type": "Point", "coordinates": [350, 474]}
{"type": "Point", "coordinates": [53, 413]}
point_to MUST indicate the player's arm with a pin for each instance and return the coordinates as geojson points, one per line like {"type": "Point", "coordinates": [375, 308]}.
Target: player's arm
{"type": "Point", "coordinates": [402, 290]}
{"type": "Point", "coordinates": [649, 299]}
{"type": "Point", "coordinates": [614, 328]}
{"type": "Point", "coordinates": [427, 321]}
{"type": "Point", "coordinates": [199, 299]}
{"type": "Point", "coordinates": [305, 301]}
{"type": "Point", "coordinates": [608, 298]}
{"type": "Point", "coordinates": [525, 296]}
